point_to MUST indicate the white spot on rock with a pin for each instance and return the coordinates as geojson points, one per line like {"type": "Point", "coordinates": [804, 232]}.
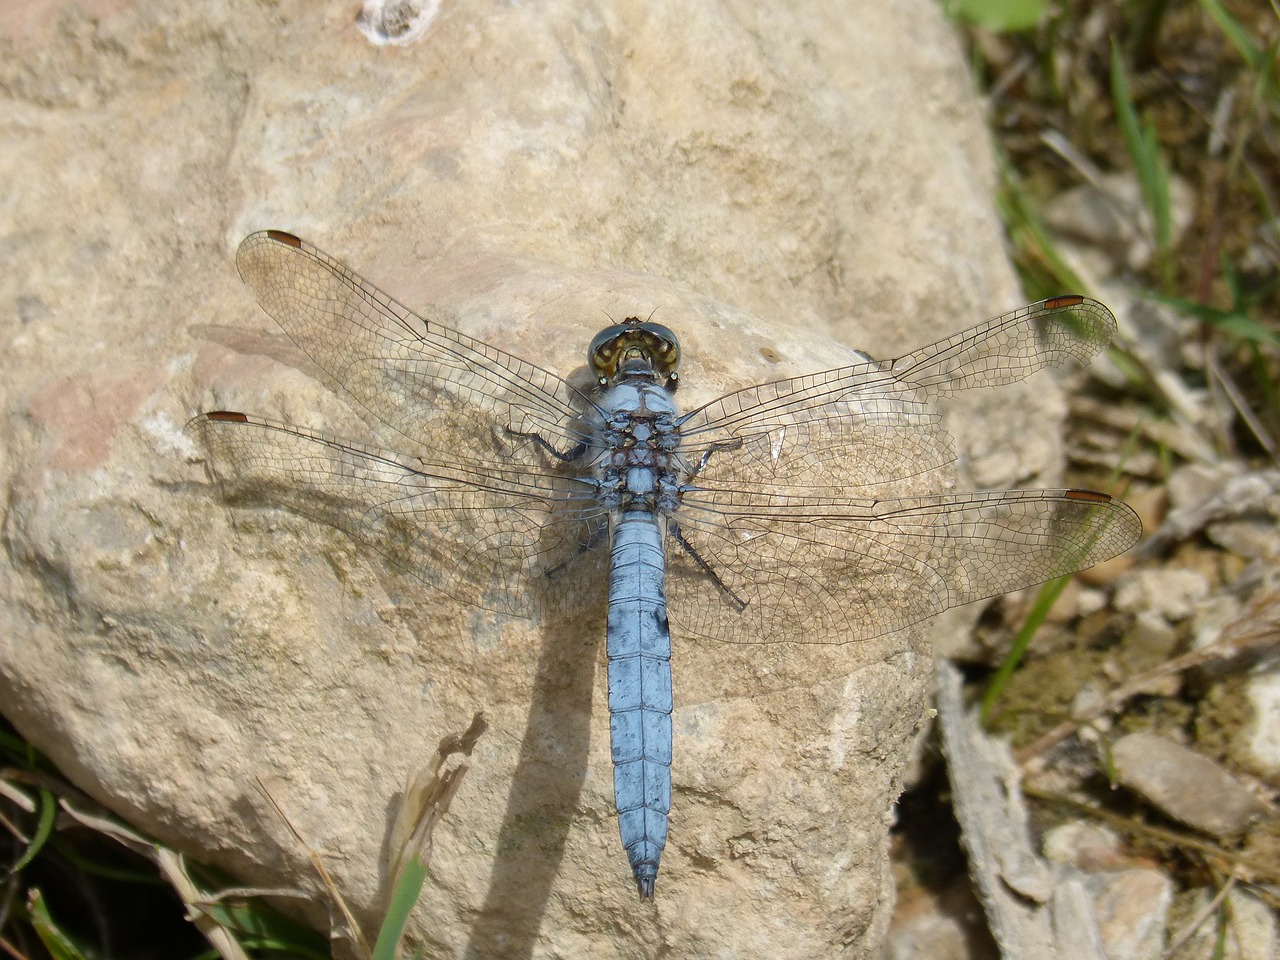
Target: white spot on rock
{"type": "Point", "coordinates": [396, 22]}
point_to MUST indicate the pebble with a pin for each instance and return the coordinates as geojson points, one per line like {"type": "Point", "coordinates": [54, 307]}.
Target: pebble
{"type": "Point", "coordinates": [1109, 213]}
{"type": "Point", "coordinates": [1132, 910]}
{"type": "Point", "coordinates": [1084, 845]}
{"type": "Point", "coordinates": [1184, 784]}
{"type": "Point", "coordinates": [1171, 592]}
{"type": "Point", "coordinates": [1264, 731]}
{"type": "Point", "coordinates": [1194, 484]}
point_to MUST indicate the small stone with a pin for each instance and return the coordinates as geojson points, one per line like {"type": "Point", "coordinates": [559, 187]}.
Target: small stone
{"type": "Point", "coordinates": [1211, 615]}
{"type": "Point", "coordinates": [1084, 845]}
{"type": "Point", "coordinates": [1151, 641]}
{"type": "Point", "coordinates": [1170, 592]}
{"type": "Point", "coordinates": [1089, 601]}
{"type": "Point", "coordinates": [1264, 733]}
{"type": "Point", "coordinates": [1132, 909]}
{"type": "Point", "coordinates": [1109, 213]}
{"type": "Point", "coordinates": [1184, 784]}
{"type": "Point", "coordinates": [1252, 538]}
{"type": "Point", "coordinates": [1088, 699]}
{"type": "Point", "coordinates": [1195, 483]}
{"type": "Point", "coordinates": [945, 924]}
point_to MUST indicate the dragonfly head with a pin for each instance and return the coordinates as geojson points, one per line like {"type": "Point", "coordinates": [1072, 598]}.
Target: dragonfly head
{"type": "Point", "coordinates": [634, 346]}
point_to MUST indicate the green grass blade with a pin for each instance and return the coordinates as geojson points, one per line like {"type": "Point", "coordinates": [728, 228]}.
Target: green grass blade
{"type": "Point", "coordinates": [256, 925]}
{"type": "Point", "coordinates": [1001, 16]}
{"type": "Point", "coordinates": [1238, 36]}
{"type": "Point", "coordinates": [59, 945]}
{"type": "Point", "coordinates": [403, 898]}
{"type": "Point", "coordinates": [1046, 273]}
{"type": "Point", "coordinates": [1143, 147]}
{"type": "Point", "coordinates": [44, 829]}
{"type": "Point", "coordinates": [1045, 599]}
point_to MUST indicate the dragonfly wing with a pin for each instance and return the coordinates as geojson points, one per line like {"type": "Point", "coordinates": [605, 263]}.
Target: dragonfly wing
{"type": "Point", "coordinates": [1010, 347]}
{"type": "Point", "coordinates": [837, 570]}
{"type": "Point", "coordinates": [505, 539]}
{"type": "Point", "coordinates": [411, 375]}
{"type": "Point", "coordinates": [870, 425]}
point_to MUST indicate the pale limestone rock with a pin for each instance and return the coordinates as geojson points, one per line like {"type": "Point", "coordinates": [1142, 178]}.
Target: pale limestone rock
{"type": "Point", "coordinates": [522, 170]}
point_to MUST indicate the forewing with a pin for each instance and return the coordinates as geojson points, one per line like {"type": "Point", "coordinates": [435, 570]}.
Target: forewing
{"type": "Point", "coordinates": [411, 375]}
{"type": "Point", "coordinates": [502, 538]}
{"type": "Point", "coordinates": [836, 570]}
{"type": "Point", "coordinates": [869, 425]}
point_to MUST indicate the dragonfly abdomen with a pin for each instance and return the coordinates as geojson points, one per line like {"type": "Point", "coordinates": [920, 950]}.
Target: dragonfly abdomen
{"type": "Point", "coordinates": [639, 651]}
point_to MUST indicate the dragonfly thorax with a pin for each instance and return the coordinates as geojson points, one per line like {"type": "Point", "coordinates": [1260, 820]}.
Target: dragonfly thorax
{"type": "Point", "coordinates": [641, 468]}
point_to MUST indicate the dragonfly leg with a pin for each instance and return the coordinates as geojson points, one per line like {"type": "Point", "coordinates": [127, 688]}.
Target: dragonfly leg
{"type": "Point", "coordinates": [734, 444]}
{"type": "Point", "coordinates": [674, 529]}
{"type": "Point", "coordinates": [574, 454]}
{"type": "Point", "coordinates": [599, 531]}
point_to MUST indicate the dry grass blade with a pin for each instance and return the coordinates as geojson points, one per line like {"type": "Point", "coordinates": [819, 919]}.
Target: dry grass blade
{"type": "Point", "coordinates": [171, 867]}
{"type": "Point", "coordinates": [426, 800]}
{"type": "Point", "coordinates": [427, 796]}
{"type": "Point", "coordinates": [1221, 377]}
{"type": "Point", "coordinates": [1251, 869]}
{"type": "Point", "coordinates": [1201, 918]}
{"type": "Point", "coordinates": [352, 926]}
{"type": "Point", "coordinates": [175, 871]}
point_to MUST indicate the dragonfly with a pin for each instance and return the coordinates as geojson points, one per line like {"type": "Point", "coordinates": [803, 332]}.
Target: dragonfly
{"type": "Point", "coordinates": [772, 514]}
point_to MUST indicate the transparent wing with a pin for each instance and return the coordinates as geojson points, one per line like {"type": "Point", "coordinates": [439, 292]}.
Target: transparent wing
{"type": "Point", "coordinates": [795, 521]}
{"type": "Point", "coordinates": [478, 481]}
{"type": "Point", "coordinates": [870, 425]}
{"type": "Point", "coordinates": [428, 384]}
{"type": "Point", "coordinates": [837, 570]}
{"type": "Point", "coordinates": [499, 537]}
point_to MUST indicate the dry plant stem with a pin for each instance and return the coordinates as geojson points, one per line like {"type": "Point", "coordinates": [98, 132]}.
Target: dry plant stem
{"type": "Point", "coordinates": [1199, 920]}
{"type": "Point", "coordinates": [1068, 151]}
{"type": "Point", "coordinates": [323, 873]}
{"type": "Point", "coordinates": [248, 893]}
{"type": "Point", "coordinates": [1254, 632]}
{"type": "Point", "coordinates": [170, 865]}
{"type": "Point", "coordinates": [464, 742]}
{"type": "Point", "coordinates": [1258, 871]}
{"type": "Point", "coordinates": [427, 798]}
{"type": "Point", "coordinates": [1178, 437]}
{"type": "Point", "coordinates": [15, 796]}
{"type": "Point", "coordinates": [1241, 406]}
{"type": "Point", "coordinates": [174, 870]}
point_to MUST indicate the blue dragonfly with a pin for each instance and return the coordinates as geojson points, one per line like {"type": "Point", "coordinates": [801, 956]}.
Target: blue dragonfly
{"type": "Point", "coordinates": [768, 515]}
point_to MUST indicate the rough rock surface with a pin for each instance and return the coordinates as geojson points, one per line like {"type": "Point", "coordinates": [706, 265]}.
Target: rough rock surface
{"type": "Point", "coordinates": [522, 170]}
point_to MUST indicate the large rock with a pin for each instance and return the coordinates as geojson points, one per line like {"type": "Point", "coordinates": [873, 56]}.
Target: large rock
{"type": "Point", "coordinates": [768, 179]}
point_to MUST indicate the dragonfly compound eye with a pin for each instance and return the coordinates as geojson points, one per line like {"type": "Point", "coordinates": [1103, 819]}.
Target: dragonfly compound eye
{"type": "Point", "coordinates": [652, 344]}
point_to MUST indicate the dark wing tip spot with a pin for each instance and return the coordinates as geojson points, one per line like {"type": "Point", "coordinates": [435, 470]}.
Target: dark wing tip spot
{"type": "Point", "coordinates": [1092, 496]}
{"type": "Point", "coordinates": [286, 238]}
{"type": "Point", "coordinates": [1067, 300]}
{"type": "Point", "coordinates": [226, 416]}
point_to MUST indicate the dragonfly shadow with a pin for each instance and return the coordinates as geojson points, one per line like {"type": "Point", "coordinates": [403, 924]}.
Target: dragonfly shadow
{"type": "Point", "coordinates": [546, 788]}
